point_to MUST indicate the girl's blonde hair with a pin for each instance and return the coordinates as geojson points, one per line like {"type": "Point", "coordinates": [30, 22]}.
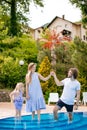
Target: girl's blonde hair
{"type": "Point", "coordinates": [29, 78]}
{"type": "Point", "coordinates": [19, 87]}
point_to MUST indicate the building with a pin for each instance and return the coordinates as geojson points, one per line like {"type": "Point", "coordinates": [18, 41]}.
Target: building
{"type": "Point", "coordinates": [64, 27]}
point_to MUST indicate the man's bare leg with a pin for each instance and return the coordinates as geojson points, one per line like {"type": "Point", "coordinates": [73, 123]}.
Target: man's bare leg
{"type": "Point", "coordinates": [70, 116]}
{"type": "Point", "coordinates": [55, 110]}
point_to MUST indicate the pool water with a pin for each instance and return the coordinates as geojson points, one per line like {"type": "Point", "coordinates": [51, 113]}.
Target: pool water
{"type": "Point", "coordinates": [46, 123]}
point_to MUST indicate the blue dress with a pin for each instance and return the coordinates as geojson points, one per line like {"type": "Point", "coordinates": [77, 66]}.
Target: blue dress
{"type": "Point", "coordinates": [18, 101]}
{"type": "Point", "coordinates": [36, 100]}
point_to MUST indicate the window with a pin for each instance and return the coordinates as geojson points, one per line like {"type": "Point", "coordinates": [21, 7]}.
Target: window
{"type": "Point", "coordinates": [83, 37]}
{"type": "Point", "coordinates": [86, 38]}
{"type": "Point", "coordinates": [38, 31]}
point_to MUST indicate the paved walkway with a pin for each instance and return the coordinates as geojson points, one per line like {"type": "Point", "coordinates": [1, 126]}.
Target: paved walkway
{"type": "Point", "coordinates": [7, 109]}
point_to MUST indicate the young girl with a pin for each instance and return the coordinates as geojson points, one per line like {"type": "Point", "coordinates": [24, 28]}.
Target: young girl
{"type": "Point", "coordinates": [17, 96]}
{"type": "Point", "coordinates": [35, 100]}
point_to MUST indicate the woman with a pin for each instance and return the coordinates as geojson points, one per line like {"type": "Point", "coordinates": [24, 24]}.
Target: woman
{"type": "Point", "coordinates": [35, 100]}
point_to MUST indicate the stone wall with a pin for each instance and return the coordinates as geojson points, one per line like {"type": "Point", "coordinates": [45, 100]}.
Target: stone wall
{"type": "Point", "coordinates": [4, 96]}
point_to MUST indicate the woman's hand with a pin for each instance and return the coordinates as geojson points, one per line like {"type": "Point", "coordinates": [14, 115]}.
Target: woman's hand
{"type": "Point", "coordinates": [52, 73]}
{"type": "Point", "coordinates": [27, 97]}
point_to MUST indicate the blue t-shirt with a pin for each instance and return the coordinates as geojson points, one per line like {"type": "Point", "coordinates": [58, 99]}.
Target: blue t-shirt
{"type": "Point", "coordinates": [69, 90]}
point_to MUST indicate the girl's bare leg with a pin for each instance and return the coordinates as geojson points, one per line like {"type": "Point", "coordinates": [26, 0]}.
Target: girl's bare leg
{"type": "Point", "coordinates": [16, 114]}
{"type": "Point", "coordinates": [19, 114]}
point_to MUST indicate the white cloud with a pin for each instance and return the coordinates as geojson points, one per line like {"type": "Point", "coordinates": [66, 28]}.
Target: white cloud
{"type": "Point", "coordinates": [40, 16]}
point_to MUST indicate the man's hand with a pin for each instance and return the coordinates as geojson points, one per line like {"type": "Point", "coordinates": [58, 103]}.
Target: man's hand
{"type": "Point", "coordinates": [75, 107]}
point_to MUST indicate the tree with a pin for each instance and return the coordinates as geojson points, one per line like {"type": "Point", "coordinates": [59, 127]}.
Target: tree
{"type": "Point", "coordinates": [79, 59]}
{"type": "Point", "coordinates": [3, 31]}
{"type": "Point", "coordinates": [79, 56]}
{"type": "Point", "coordinates": [51, 40]}
{"type": "Point", "coordinates": [82, 4]}
{"type": "Point", "coordinates": [44, 69]}
{"type": "Point", "coordinates": [3, 24]}
{"type": "Point", "coordinates": [12, 50]}
{"type": "Point", "coordinates": [48, 86]}
{"type": "Point", "coordinates": [16, 9]}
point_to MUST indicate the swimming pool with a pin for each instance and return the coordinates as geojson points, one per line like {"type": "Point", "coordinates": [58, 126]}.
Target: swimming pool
{"type": "Point", "coordinates": [47, 122]}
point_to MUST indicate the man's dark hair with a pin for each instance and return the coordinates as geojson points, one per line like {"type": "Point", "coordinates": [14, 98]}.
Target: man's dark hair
{"type": "Point", "coordinates": [74, 72]}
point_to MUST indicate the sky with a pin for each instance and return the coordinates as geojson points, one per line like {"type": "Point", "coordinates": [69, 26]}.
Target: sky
{"type": "Point", "coordinates": [39, 16]}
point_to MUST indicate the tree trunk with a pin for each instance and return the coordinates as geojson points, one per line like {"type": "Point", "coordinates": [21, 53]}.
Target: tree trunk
{"type": "Point", "coordinates": [53, 57]}
{"type": "Point", "coordinates": [13, 25]}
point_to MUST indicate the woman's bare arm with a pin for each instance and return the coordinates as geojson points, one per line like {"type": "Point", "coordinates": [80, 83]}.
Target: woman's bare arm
{"type": "Point", "coordinates": [27, 85]}
{"type": "Point", "coordinates": [44, 78]}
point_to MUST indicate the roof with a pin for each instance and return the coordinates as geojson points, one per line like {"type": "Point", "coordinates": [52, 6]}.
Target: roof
{"type": "Point", "coordinates": [48, 24]}
{"type": "Point", "coordinates": [43, 26]}
{"type": "Point", "coordinates": [63, 19]}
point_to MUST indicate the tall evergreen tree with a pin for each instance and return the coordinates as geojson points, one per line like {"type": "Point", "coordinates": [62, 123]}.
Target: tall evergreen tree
{"type": "Point", "coordinates": [44, 70]}
{"type": "Point", "coordinates": [79, 56]}
{"type": "Point", "coordinates": [79, 59]}
{"type": "Point", "coordinates": [48, 86]}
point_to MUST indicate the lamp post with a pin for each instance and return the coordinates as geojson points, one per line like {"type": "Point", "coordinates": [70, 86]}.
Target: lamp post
{"type": "Point", "coordinates": [21, 63]}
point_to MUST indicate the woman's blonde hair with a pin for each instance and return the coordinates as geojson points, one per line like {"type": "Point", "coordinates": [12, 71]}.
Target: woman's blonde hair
{"type": "Point", "coordinates": [30, 66]}
{"type": "Point", "coordinates": [29, 78]}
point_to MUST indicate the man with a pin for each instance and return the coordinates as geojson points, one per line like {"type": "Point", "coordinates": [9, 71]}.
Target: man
{"type": "Point", "coordinates": [70, 90]}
